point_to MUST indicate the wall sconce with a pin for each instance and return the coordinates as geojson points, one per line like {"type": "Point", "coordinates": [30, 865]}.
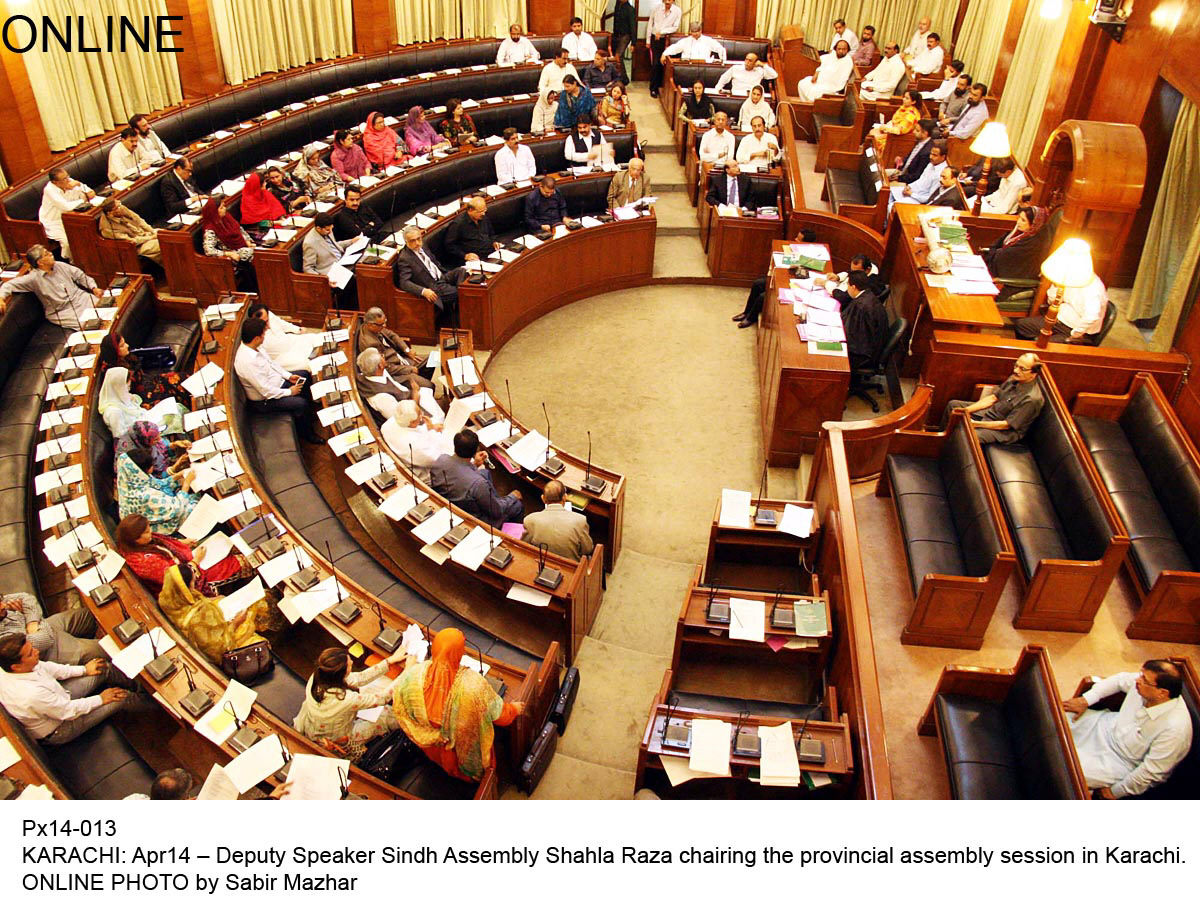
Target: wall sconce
{"type": "Point", "coordinates": [1109, 15]}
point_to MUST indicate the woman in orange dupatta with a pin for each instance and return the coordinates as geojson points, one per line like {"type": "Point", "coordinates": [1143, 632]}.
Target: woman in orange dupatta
{"type": "Point", "coordinates": [450, 711]}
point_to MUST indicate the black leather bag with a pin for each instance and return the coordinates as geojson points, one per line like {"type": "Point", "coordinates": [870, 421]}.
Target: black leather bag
{"type": "Point", "coordinates": [155, 357]}
{"type": "Point", "coordinates": [391, 756]}
{"type": "Point", "coordinates": [538, 760]}
{"type": "Point", "coordinates": [564, 702]}
{"type": "Point", "coordinates": [249, 663]}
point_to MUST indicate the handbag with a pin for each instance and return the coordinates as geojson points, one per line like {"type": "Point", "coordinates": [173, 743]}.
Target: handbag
{"type": "Point", "coordinates": [391, 756]}
{"type": "Point", "coordinates": [248, 663]}
{"type": "Point", "coordinates": [155, 357]}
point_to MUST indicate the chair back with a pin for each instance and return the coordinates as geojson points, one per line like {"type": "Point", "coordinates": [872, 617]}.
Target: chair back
{"type": "Point", "coordinates": [1110, 317]}
{"type": "Point", "coordinates": [895, 338]}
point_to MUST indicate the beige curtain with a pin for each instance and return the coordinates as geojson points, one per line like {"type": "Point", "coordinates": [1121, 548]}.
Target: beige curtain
{"type": "Point", "coordinates": [981, 37]}
{"type": "Point", "coordinates": [1029, 79]}
{"type": "Point", "coordinates": [270, 35]}
{"type": "Point", "coordinates": [490, 18]}
{"type": "Point", "coordinates": [894, 20]}
{"type": "Point", "coordinates": [80, 95]}
{"type": "Point", "coordinates": [591, 12]}
{"type": "Point", "coordinates": [426, 20]}
{"type": "Point", "coordinates": [1167, 271]}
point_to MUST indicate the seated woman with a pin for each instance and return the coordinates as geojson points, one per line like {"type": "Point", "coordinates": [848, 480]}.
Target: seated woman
{"type": "Point", "coordinates": [450, 711]}
{"type": "Point", "coordinates": [696, 105]}
{"type": "Point", "coordinates": [164, 502]}
{"type": "Point", "coordinates": [286, 343]}
{"type": "Point", "coordinates": [544, 111]}
{"type": "Point", "coordinates": [332, 701]}
{"type": "Point", "coordinates": [259, 208]}
{"type": "Point", "coordinates": [458, 127]}
{"type": "Point", "coordinates": [904, 121]}
{"type": "Point", "coordinates": [199, 619]}
{"type": "Point", "coordinates": [320, 180]}
{"type": "Point", "coordinates": [382, 144]}
{"type": "Point", "coordinates": [286, 189]}
{"type": "Point", "coordinates": [753, 107]}
{"type": "Point", "coordinates": [144, 435]}
{"type": "Point", "coordinates": [224, 237]}
{"type": "Point", "coordinates": [614, 107]}
{"type": "Point", "coordinates": [151, 556]}
{"type": "Point", "coordinates": [151, 386]}
{"type": "Point", "coordinates": [120, 408]}
{"type": "Point", "coordinates": [348, 159]}
{"type": "Point", "coordinates": [1019, 254]}
{"type": "Point", "coordinates": [420, 136]}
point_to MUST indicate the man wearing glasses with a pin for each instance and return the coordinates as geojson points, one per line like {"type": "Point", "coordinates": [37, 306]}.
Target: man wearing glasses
{"type": "Point", "coordinates": [1006, 413]}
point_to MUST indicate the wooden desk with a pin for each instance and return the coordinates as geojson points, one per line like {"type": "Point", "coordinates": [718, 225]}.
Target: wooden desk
{"type": "Point", "coordinates": [927, 308]}
{"type": "Point", "coordinates": [739, 248]}
{"type": "Point", "coordinates": [761, 558]}
{"type": "Point", "coordinates": [798, 391]}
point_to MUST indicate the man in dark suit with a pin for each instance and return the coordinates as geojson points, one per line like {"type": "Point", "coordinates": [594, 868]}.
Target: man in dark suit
{"type": "Point", "coordinates": [721, 188]}
{"type": "Point", "coordinates": [464, 481]}
{"type": "Point", "coordinates": [865, 322]}
{"type": "Point", "coordinates": [420, 274]}
{"type": "Point", "coordinates": [912, 167]}
{"type": "Point", "coordinates": [177, 189]}
{"type": "Point", "coordinates": [356, 217]}
{"type": "Point", "coordinates": [948, 193]}
{"type": "Point", "coordinates": [470, 236]}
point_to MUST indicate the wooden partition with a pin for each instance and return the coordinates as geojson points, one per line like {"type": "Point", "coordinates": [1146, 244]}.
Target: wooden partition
{"type": "Point", "coordinates": [866, 442]}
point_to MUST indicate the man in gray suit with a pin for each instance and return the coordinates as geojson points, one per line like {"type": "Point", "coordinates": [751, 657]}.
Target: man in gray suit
{"type": "Point", "coordinates": [322, 252]}
{"type": "Point", "coordinates": [462, 479]}
{"type": "Point", "coordinates": [560, 530]}
{"type": "Point", "coordinates": [67, 637]}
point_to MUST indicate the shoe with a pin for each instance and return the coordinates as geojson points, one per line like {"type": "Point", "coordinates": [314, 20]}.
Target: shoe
{"type": "Point", "coordinates": [746, 322]}
{"type": "Point", "coordinates": [654, 93]}
{"type": "Point", "coordinates": [737, 318]}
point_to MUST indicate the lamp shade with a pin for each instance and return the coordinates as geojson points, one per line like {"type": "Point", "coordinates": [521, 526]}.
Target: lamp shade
{"type": "Point", "coordinates": [992, 141]}
{"type": "Point", "coordinates": [1070, 265]}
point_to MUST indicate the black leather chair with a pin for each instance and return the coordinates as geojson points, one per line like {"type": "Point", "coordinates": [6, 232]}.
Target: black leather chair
{"type": "Point", "coordinates": [862, 382]}
{"type": "Point", "coordinates": [1110, 317]}
{"type": "Point", "coordinates": [712, 703]}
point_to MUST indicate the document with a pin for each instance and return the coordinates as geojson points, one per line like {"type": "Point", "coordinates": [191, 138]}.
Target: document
{"type": "Point", "coordinates": [36, 793]}
{"type": "Point", "coordinates": [220, 441]}
{"type": "Point", "coordinates": [76, 387]}
{"type": "Point", "coordinates": [816, 347]}
{"type": "Point", "coordinates": [530, 241]}
{"type": "Point", "coordinates": [65, 476]}
{"type": "Point", "coordinates": [84, 537]}
{"type": "Point", "coordinates": [797, 520]}
{"type": "Point", "coordinates": [316, 778]}
{"type": "Point", "coordinates": [159, 413]}
{"type": "Point", "coordinates": [506, 256]}
{"type": "Point", "coordinates": [779, 764]}
{"type": "Point", "coordinates": [429, 404]}
{"type": "Point", "coordinates": [747, 620]}
{"type": "Point", "coordinates": [347, 409]}
{"type": "Point", "coordinates": [208, 473]}
{"type": "Point", "coordinates": [319, 363]}
{"type": "Point", "coordinates": [107, 314]}
{"type": "Point", "coordinates": [462, 409]}
{"type": "Point", "coordinates": [971, 287]}
{"type": "Point", "coordinates": [462, 370]}
{"type": "Point", "coordinates": [53, 515]}
{"type": "Point", "coordinates": [495, 432]}
{"type": "Point", "coordinates": [216, 548]}
{"type": "Point", "coordinates": [8, 754]}
{"type": "Point", "coordinates": [277, 569]}
{"type": "Point", "coordinates": [710, 746]}
{"type": "Point", "coordinates": [241, 599]}
{"type": "Point", "coordinates": [204, 418]}
{"type": "Point", "coordinates": [203, 380]}
{"type": "Point", "coordinates": [205, 515]}
{"type": "Point", "coordinates": [679, 771]}
{"type": "Point", "coordinates": [474, 664]}
{"type": "Point", "coordinates": [66, 416]}
{"type": "Point", "coordinates": [471, 551]}
{"type": "Point", "coordinates": [361, 472]}
{"type": "Point", "coordinates": [339, 276]}
{"type": "Point", "coordinates": [218, 786]}
{"type": "Point", "coordinates": [341, 444]}
{"type": "Point", "coordinates": [398, 503]}
{"type": "Point", "coordinates": [137, 655]}
{"type": "Point", "coordinates": [322, 596]}
{"type": "Point", "coordinates": [218, 724]}
{"type": "Point", "coordinates": [560, 231]}
{"type": "Point", "coordinates": [323, 388]}
{"type": "Point", "coordinates": [811, 618]}
{"type": "Point", "coordinates": [735, 508]}
{"type": "Point", "coordinates": [83, 362]}
{"type": "Point", "coordinates": [104, 572]}
{"type": "Point", "coordinates": [519, 592]}
{"type": "Point", "coordinates": [58, 446]}
{"type": "Point", "coordinates": [255, 764]}
{"type": "Point", "coordinates": [90, 336]}
{"type": "Point", "coordinates": [531, 451]}
{"type": "Point", "coordinates": [436, 526]}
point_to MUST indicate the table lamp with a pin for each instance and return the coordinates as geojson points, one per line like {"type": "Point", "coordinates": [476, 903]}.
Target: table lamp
{"type": "Point", "coordinates": [992, 142]}
{"type": "Point", "coordinates": [1070, 266]}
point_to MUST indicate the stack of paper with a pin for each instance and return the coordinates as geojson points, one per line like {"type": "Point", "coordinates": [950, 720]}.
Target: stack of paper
{"type": "Point", "coordinates": [218, 724]}
{"type": "Point", "coordinates": [797, 520]}
{"type": "Point", "coordinates": [316, 778]}
{"type": "Point", "coordinates": [779, 764]}
{"type": "Point", "coordinates": [747, 620]}
{"type": "Point", "coordinates": [238, 601]}
{"type": "Point", "coordinates": [255, 764]}
{"type": "Point", "coordinates": [711, 740]}
{"type": "Point", "coordinates": [811, 619]}
{"type": "Point", "coordinates": [735, 508]}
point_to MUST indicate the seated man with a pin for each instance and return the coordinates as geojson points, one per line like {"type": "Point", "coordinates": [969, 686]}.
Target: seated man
{"type": "Point", "coordinates": [418, 273]}
{"type": "Point", "coordinates": [399, 359]}
{"type": "Point", "coordinates": [151, 149]}
{"type": "Point", "coordinates": [322, 251]}
{"type": "Point", "coordinates": [545, 207]}
{"type": "Point", "coordinates": [516, 48]}
{"type": "Point", "coordinates": [120, 223]}
{"type": "Point", "coordinates": [932, 58]}
{"type": "Point", "coordinates": [270, 388]}
{"type": "Point", "coordinates": [356, 219]}
{"type": "Point", "coordinates": [881, 82]}
{"type": "Point", "coordinates": [1080, 314]}
{"type": "Point", "coordinates": [579, 44]}
{"type": "Point", "coordinates": [972, 118]}
{"type": "Point", "coordinates": [462, 480]}
{"type": "Point", "coordinates": [66, 637]}
{"type": "Point", "coordinates": [51, 711]}
{"type": "Point", "coordinates": [630, 185]}
{"type": "Point", "coordinates": [831, 76]}
{"type": "Point", "coordinates": [556, 70]}
{"type": "Point", "coordinates": [949, 192]}
{"type": "Point", "coordinates": [378, 385]}
{"type": "Point", "coordinates": [414, 439]}
{"type": "Point", "coordinates": [62, 193]}
{"type": "Point", "coordinates": [514, 162]}
{"type": "Point", "coordinates": [470, 236]}
{"type": "Point", "coordinates": [1126, 752]}
{"type": "Point", "coordinates": [600, 73]}
{"type": "Point", "coordinates": [928, 185]}
{"type": "Point", "coordinates": [952, 105]}
{"type": "Point", "coordinates": [952, 81]}
{"type": "Point", "coordinates": [759, 147]}
{"type": "Point", "coordinates": [179, 194]}
{"type": "Point", "coordinates": [64, 290]}
{"type": "Point", "coordinates": [841, 33]}
{"type": "Point", "coordinates": [864, 54]}
{"type": "Point", "coordinates": [582, 147]}
{"type": "Point", "coordinates": [733, 188]}
{"type": "Point", "coordinates": [122, 157]}
{"type": "Point", "coordinates": [1003, 416]}
{"type": "Point", "coordinates": [864, 320]}
{"type": "Point", "coordinates": [696, 46]}
{"type": "Point", "coordinates": [1007, 197]}
{"type": "Point", "coordinates": [561, 530]}
{"type": "Point", "coordinates": [741, 78]}
{"type": "Point", "coordinates": [718, 144]}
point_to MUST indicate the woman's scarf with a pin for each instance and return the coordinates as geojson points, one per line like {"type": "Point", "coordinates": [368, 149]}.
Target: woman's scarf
{"type": "Point", "coordinates": [380, 145]}
{"type": "Point", "coordinates": [117, 405]}
{"type": "Point", "coordinates": [198, 618]}
{"type": "Point", "coordinates": [225, 227]}
{"type": "Point", "coordinates": [419, 134]}
{"type": "Point", "coordinates": [257, 204]}
{"type": "Point", "coordinates": [1039, 222]}
{"type": "Point", "coordinates": [144, 435]}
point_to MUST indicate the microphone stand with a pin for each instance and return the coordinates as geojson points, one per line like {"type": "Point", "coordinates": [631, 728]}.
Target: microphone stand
{"type": "Point", "coordinates": [245, 737]}
{"type": "Point", "coordinates": [160, 667]}
{"type": "Point", "coordinates": [548, 577]}
{"type": "Point", "coordinates": [196, 702]}
{"type": "Point", "coordinates": [764, 517]}
{"type": "Point", "coordinates": [346, 609]}
{"type": "Point", "coordinates": [552, 466]}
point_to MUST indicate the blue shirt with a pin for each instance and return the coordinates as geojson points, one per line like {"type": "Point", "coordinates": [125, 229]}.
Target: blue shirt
{"type": "Point", "coordinates": [471, 489]}
{"type": "Point", "coordinates": [544, 210]}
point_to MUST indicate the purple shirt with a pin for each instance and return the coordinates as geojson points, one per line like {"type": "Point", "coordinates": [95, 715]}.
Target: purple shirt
{"type": "Point", "coordinates": [350, 164]}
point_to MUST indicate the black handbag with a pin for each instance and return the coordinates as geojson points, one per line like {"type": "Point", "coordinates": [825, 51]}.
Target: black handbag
{"type": "Point", "coordinates": [248, 663]}
{"type": "Point", "coordinates": [391, 756]}
{"type": "Point", "coordinates": [155, 357]}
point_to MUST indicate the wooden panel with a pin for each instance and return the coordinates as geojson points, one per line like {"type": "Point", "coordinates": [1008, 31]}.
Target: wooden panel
{"type": "Point", "coordinates": [24, 151]}
{"type": "Point", "coordinates": [1008, 46]}
{"type": "Point", "coordinates": [199, 62]}
{"type": "Point", "coordinates": [730, 17]}
{"type": "Point", "coordinates": [549, 17]}
{"type": "Point", "coordinates": [374, 25]}
{"type": "Point", "coordinates": [740, 248]}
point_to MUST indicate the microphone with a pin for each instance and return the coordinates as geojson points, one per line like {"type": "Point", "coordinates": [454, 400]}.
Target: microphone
{"type": "Point", "coordinates": [496, 683]}
{"type": "Point", "coordinates": [388, 639]}
{"type": "Point", "coordinates": [679, 735]}
{"type": "Point", "coordinates": [345, 783]}
{"type": "Point", "coordinates": [499, 557]}
{"type": "Point", "coordinates": [160, 667]}
{"type": "Point", "coordinates": [810, 750]}
{"type": "Point", "coordinates": [196, 702]}
{"type": "Point", "coordinates": [245, 737]}
{"type": "Point", "coordinates": [552, 467]}
{"type": "Point", "coordinates": [346, 609]}
{"type": "Point", "coordinates": [764, 517]}
{"type": "Point", "coordinates": [782, 617]}
{"type": "Point", "coordinates": [547, 576]}
{"type": "Point", "coordinates": [82, 558]}
{"type": "Point", "coordinates": [64, 400]}
{"type": "Point", "coordinates": [104, 593]}
{"type": "Point", "coordinates": [286, 756]}
{"type": "Point", "coordinates": [211, 346]}
{"type": "Point", "coordinates": [745, 743]}
{"type": "Point", "coordinates": [128, 630]}
{"type": "Point", "coordinates": [591, 482]}
{"type": "Point", "coordinates": [716, 612]}
{"type": "Point", "coordinates": [513, 434]}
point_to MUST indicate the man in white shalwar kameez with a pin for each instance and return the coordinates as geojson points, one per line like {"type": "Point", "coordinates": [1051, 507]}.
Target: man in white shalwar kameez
{"type": "Point", "coordinates": [831, 76]}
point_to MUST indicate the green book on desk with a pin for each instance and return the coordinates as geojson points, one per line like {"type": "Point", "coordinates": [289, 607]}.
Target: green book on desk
{"type": "Point", "coordinates": [810, 618]}
{"type": "Point", "coordinates": [952, 234]}
{"type": "Point", "coordinates": [796, 259]}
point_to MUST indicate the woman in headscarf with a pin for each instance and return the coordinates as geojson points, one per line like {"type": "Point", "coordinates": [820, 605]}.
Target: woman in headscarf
{"type": "Point", "coordinates": [614, 107]}
{"type": "Point", "coordinates": [259, 208]}
{"type": "Point", "coordinates": [151, 556]}
{"type": "Point", "coordinates": [117, 405]}
{"type": "Point", "coordinates": [321, 181]}
{"type": "Point", "coordinates": [145, 435]}
{"type": "Point", "coordinates": [199, 618]}
{"type": "Point", "coordinates": [381, 143]}
{"type": "Point", "coordinates": [450, 711]}
{"type": "Point", "coordinates": [224, 237]}
{"type": "Point", "coordinates": [1019, 254]}
{"type": "Point", "coordinates": [544, 111]}
{"type": "Point", "coordinates": [151, 386]}
{"type": "Point", "coordinates": [419, 135]}
{"type": "Point", "coordinates": [696, 105]}
{"type": "Point", "coordinates": [164, 502]}
{"type": "Point", "coordinates": [332, 701]}
{"type": "Point", "coordinates": [458, 127]}
{"type": "Point", "coordinates": [753, 107]}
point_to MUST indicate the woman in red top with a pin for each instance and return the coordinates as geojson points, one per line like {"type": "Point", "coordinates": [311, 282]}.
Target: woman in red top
{"type": "Point", "coordinates": [259, 208]}
{"type": "Point", "coordinates": [382, 144]}
{"type": "Point", "coordinates": [151, 555]}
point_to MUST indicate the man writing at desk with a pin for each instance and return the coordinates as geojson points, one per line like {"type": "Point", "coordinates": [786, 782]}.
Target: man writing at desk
{"type": "Point", "coordinates": [1006, 414]}
{"type": "Point", "coordinates": [462, 480]}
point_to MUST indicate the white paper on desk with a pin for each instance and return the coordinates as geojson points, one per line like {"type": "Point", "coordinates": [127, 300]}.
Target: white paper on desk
{"type": "Point", "coordinates": [474, 664]}
{"type": "Point", "coordinates": [241, 599]}
{"type": "Point", "coordinates": [315, 778]}
{"type": "Point", "coordinates": [90, 336]}
{"type": "Point", "coordinates": [208, 473]}
{"type": "Point", "coordinates": [83, 362]}
{"type": "Point", "coordinates": [76, 508]}
{"type": "Point", "coordinates": [747, 620]}
{"type": "Point", "coordinates": [461, 410]}
{"type": "Point", "coordinates": [413, 642]}
{"type": "Point", "coordinates": [427, 402]}
{"type": "Point", "coordinates": [216, 548]}
{"type": "Point", "coordinates": [225, 308]}
{"type": "Point", "coordinates": [107, 314]}
{"type": "Point", "coordinates": [218, 786]}
{"type": "Point", "coordinates": [560, 231]}
{"type": "Point", "coordinates": [495, 432]}
{"type": "Point", "coordinates": [347, 409]}
{"type": "Point", "coordinates": [436, 552]}
{"type": "Point", "coordinates": [58, 445]}
{"type": "Point", "coordinates": [822, 302]}
{"type": "Point", "coordinates": [462, 370]}
{"type": "Point", "coordinates": [825, 318]}
{"type": "Point", "coordinates": [104, 572]}
{"type": "Point", "coordinates": [531, 451]}
{"type": "Point", "coordinates": [589, 221]}
{"type": "Point", "coordinates": [217, 724]}
{"type": "Point", "coordinates": [397, 504]}
{"type": "Point", "coordinates": [137, 655]}
{"type": "Point", "coordinates": [711, 739]}
{"type": "Point", "coordinates": [36, 793]}
{"type": "Point", "coordinates": [797, 521]}
{"type": "Point", "coordinates": [255, 764]}
{"type": "Point", "coordinates": [203, 380]}
{"type": "Point", "coordinates": [506, 256]}
{"type": "Point", "coordinates": [735, 508]}
{"type": "Point", "coordinates": [937, 281]}
{"type": "Point", "coordinates": [52, 418]}
{"type": "Point", "coordinates": [971, 273]}
{"type": "Point", "coordinates": [323, 595]}
{"type": "Point", "coordinates": [471, 551]}
{"type": "Point", "coordinates": [779, 764]}
{"type": "Point", "coordinates": [76, 387]}
{"type": "Point", "coordinates": [221, 440]}
{"type": "Point", "coordinates": [968, 259]}
{"type": "Point", "coordinates": [436, 526]}
{"type": "Point", "coordinates": [204, 418]}
{"type": "Point", "coordinates": [205, 515]}
{"type": "Point", "coordinates": [323, 388]}
{"type": "Point", "coordinates": [47, 480]}
{"type": "Point", "coordinates": [519, 592]}
{"type": "Point", "coordinates": [277, 569]}
{"type": "Point", "coordinates": [625, 213]}
{"type": "Point", "coordinates": [161, 410]}
{"type": "Point", "coordinates": [678, 772]}
{"type": "Point", "coordinates": [337, 359]}
{"type": "Point", "coordinates": [530, 241]}
{"type": "Point", "coordinates": [341, 443]}
{"type": "Point", "coordinates": [361, 472]}
{"type": "Point", "coordinates": [8, 754]}
{"type": "Point", "coordinates": [971, 287]}
{"type": "Point", "coordinates": [283, 235]}
{"type": "Point", "coordinates": [57, 550]}
{"type": "Point", "coordinates": [422, 221]}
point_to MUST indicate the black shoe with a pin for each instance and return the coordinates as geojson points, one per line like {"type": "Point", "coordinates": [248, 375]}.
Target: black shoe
{"type": "Point", "coordinates": [654, 93]}
{"type": "Point", "coordinates": [737, 318]}
{"type": "Point", "coordinates": [746, 322]}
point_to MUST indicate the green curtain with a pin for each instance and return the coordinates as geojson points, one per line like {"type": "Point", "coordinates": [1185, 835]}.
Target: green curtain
{"type": "Point", "coordinates": [981, 37]}
{"type": "Point", "coordinates": [1167, 271]}
{"type": "Point", "coordinates": [1029, 79]}
{"type": "Point", "coordinates": [894, 20]}
{"type": "Point", "coordinates": [426, 20]}
{"type": "Point", "coordinates": [81, 95]}
{"type": "Point", "coordinates": [270, 35]}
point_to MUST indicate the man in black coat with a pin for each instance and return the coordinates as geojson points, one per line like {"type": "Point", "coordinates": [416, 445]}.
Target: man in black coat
{"type": "Point", "coordinates": [356, 217]}
{"type": "Point", "coordinates": [470, 236]}
{"type": "Point", "coordinates": [419, 273]}
{"type": "Point", "coordinates": [177, 189]}
{"type": "Point", "coordinates": [865, 321]}
{"type": "Point", "coordinates": [914, 165]}
{"type": "Point", "coordinates": [720, 187]}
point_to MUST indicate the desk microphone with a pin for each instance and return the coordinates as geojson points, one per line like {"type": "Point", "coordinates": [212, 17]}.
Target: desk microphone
{"type": "Point", "coordinates": [211, 346]}
{"type": "Point", "coordinates": [782, 617]}
{"type": "Point", "coordinates": [344, 787]}
{"type": "Point", "coordinates": [160, 667]}
{"type": "Point", "coordinates": [128, 630]}
{"type": "Point", "coordinates": [497, 684]}
{"type": "Point", "coordinates": [513, 434]}
{"type": "Point", "coordinates": [764, 517]}
{"type": "Point", "coordinates": [82, 558]}
{"type": "Point", "coordinates": [547, 576]}
{"type": "Point", "coordinates": [346, 609]}
{"type": "Point", "coordinates": [286, 756]}
{"type": "Point", "coordinates": [388, 639]}
{"type": "Point", "coordinates": [591, 482]}
{"type": "Point", "coordinates": [245, 737]}
{"type": "Point", "coordinates": [717, 612]}
{"type": "Point", "coordinates": [745, 743]}
{"type": "Point", "coordinates": [679, 735]}
{"type": "Point", "coordinates": [196, 702]}
{"type": "Point", "coordinates": [552, 466]}
{"type": "Point", "coordinates": [63, 400]}
{"type": "Point", "coordinates": [810, 750]}
{"type": "Point", "coordinates": [499, 557]}
{"type": "Point", "coordinates": [104, 593]}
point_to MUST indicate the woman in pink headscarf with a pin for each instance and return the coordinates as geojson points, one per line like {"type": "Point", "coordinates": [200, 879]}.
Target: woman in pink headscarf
{"type": "Point", "coordinates": [382, 144]}
{"type": "Point", "coordinates": [419, 134]}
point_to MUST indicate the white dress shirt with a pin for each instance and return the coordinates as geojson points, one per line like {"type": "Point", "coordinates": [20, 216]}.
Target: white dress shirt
{"type": "Point", "coordinates": [942, 92]}
{"type": "Point", "coordinates": [261, 377]}
{"type": "Point", "coordinates": [830, 78]}
{"type": "Point", "coordinates": [741, 80]}
{"type": "Point", "coordinates": [759, 151]}
{"type": "Point", "coordinates": [427, 445]}
{"type": "Point", "coordinates": [573, 155]}
{"type": "Point", "coordinates": [881, 82]}
{"type": "Point", "coordinates": [918, 44]}
{"type": "Point", "coordinates": [55, 202]}
{"type": "Point", "coordinates": [286, 345]}
{"type": "Point", "coordinates": [1135, 748]}
{"type": "Point", "coordinates": [39, 702]}
{"type": "Point", "coordinates": [1004, 200]}
{"type": "Point", "coordinates": [151, 149]}
{"type": "Point", "coordinates": [970, 121]}
{"type": "Point", "coordinates": [923, 188]}
{"type": "Point", "coordinates": [847, 36]}
{"type": "Point", "coordinates": [749, 110]}
{"type": "Point", "coordinates": [663, 21]}
{"type": "Point", "coordinates": [930, 60]}
{"type": "Point", "coordinates": [1082, 309]}
{"type": "Point", "coordinates": [552, 76]}
{"type": "Point", "coordinates": [715, 147]}
{"type": "Point", "coordinates": [122, 162]}
{"type": "Point", "coordinates": [511, 167]}
{"type": "Point", "coordinates": [519, 51]}
{"type": "Point", "coordinates": [702, 48]}
{"type": "Point", "coordinates": [581, 46]}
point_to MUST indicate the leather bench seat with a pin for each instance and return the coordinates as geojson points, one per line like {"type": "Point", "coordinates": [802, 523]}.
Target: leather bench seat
{"type": "Point", "coordinates": [139, 325]}
{"type": "Point", "coordinates": [857, 188]}
{"type": "Point", "coordinates": [1004, 749]}
{"type": "Point", "coordinates": [429, 781]}
{"type": "Point", "coordinates": [100, 765]}
{"type": "Point", "coordinates": [738, 706]}
{"type": "Point", "coordinates": [843, 118]}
